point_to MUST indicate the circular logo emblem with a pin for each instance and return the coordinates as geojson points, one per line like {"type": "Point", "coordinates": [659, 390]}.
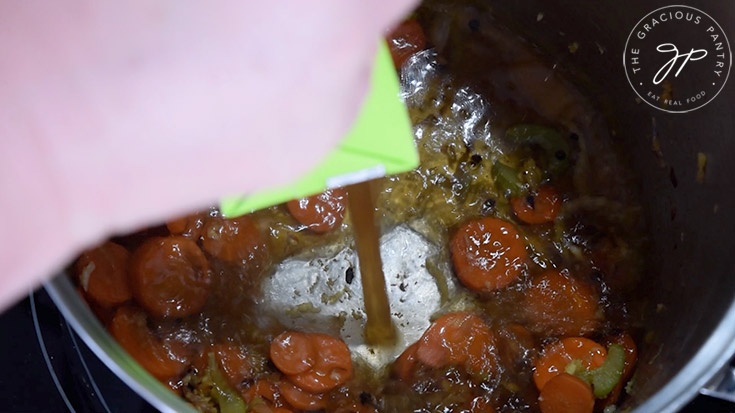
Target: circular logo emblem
{"type": "Point", "coordinates": [677, 59]}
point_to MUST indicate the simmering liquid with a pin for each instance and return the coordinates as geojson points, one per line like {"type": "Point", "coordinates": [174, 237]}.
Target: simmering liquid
{"type": "Point", "coordinates": [361, 204]}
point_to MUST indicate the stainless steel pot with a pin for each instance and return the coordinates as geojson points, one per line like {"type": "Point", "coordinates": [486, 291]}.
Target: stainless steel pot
{"type": "Point", "coordinates": [689, 287]}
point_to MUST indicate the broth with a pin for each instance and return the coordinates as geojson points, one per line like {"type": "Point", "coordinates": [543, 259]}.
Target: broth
{"type": "Point", "coordinates": [379, 328]}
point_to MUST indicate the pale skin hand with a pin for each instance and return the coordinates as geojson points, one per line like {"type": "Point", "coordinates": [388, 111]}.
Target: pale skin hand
{"type": "Point", "coordinates": [113, 117]}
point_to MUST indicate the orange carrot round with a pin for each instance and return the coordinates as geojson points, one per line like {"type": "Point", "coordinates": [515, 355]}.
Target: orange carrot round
{"type": "Point", "coordinates": [405, 40]}
{"type": "Point", "coordinates": [538, 208]}
{"type": "Point", "coordinates": [235, 240]}
{"type": "Point", "coordinates": [405, 364]}
{"type": "Point", "coordinates": [332, 367]}
{"type": "Point", "coordinates": [293, 352]}
{"type": "Point", "coordinates": [488, 254]}
{"type": "Point", "coordinates": [162, 359]}
{"type": "Point", "coordinates": [325, 364]}
{"type": "Point", "coordinates": [322, 212]}
{"type": "Point", "coordinates": [103, 274]}
{"type": "Point", "coordinates": [515, 342]}
{"type": "Point", "coordinates": [263, 388]}
{"type": "Point", "coordinates": [300, 398]}
{"type": "Point", "coordinates": [170, 276]}
{"type": "Point", "coordinates": [481, 405]}
{"type": "Point", "coordinates": [557, 356]}
{"type": "Point", "coordinates": [458, 339]}
{"type": "Point", "coordinates": [558, 305]}
{"type": "Point", "coordinates": [566, 394]}
{"type": "Point", "coordinates": [190, 226]}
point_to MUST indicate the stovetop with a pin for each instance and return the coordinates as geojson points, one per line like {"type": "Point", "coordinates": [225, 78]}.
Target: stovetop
{"type": "Point", "coordinates": [47, 368]}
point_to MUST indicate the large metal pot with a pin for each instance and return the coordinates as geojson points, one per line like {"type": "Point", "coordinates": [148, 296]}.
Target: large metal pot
{"type": "Point", "coordinates": [689, 287]}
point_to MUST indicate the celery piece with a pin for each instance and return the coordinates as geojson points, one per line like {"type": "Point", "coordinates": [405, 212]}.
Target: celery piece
{"type": "Point", "coordinates": [506, 179]}
{"type": "Point", "coordinates": [552, 143]}
{"type": "Point", "coordinates": [607, 376]}
{"type": "Point", "coordinates": [604, 378]}
{"type": "Point", "coordinates": [225, 396]}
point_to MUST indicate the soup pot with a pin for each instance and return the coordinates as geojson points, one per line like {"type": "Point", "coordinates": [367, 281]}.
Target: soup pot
{"type": "Point", "coordinates": [686, 180]}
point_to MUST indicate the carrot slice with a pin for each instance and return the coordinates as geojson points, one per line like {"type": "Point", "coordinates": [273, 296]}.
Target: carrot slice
{"type": "Point", "coordinates": [300, 398]}
{"type": "Point", "coordinates": [332, 365]}
{"type": "Point", "coordinates": [481, 405]}
{"type": "Point", "coordinates": [631, 358]}
{"type": "Point", "coordinates": [405, 364]}
{"type": "Point", "coordinates": [540, 208]}
{"type": "Point", "coordinates": [566, 394]}
{"type": "Point", "coordinates": [488, 254]}
{"type": "Point", "coordinates": [515, 343]}
{"type": "Point", "coordinates": [103, 274]}
{"type": "Point", "coordinates": [293, 352]}
{"type": "Point", "coordinates": [263, 388]}
{"type": "Point", "coordinates": [233, 240]}
{"type": "Point", "coordinates": [234, 362]}
{"type": "Point", "coordinates": [482, 359]}
{"type": "Point", "coordinates": [170, 276]}
{"type": "Point", "coordinates": [161, 359]}
{"type": "Point", "coordinates": [557, 304]}
{"type": "Point", "coordinates": [320, 213]}
{"type": "Point", "coordinates": [191, 226]}
{"type": "Point", "coordinates": [458, 339]}
{"type": "Point", "coordinates": [556, 357]}
{"type": "Point", "coordinates": [104, 314]}
{"type": "Point", "coordinates": [405, 40]}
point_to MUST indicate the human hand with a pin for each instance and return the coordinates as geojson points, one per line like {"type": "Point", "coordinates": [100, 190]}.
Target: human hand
{"type": "Point", "coordinates": [116, 117]}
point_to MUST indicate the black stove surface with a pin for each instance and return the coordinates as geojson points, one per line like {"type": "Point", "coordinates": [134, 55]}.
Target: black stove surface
{"type": "Point", "coordinates": [47, 368]}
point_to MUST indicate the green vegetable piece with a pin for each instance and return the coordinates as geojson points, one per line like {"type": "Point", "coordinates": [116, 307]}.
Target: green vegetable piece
{"type": "Point", "coordinates": [607, 376]}
{"type": "Point", "coordinates": [575, 368]}
{"type": "Point", "coordinates": [226, 397]}
{"type": "Point", "coordinates": [604, 378]}
{"type": "Point", "coordinates": [555, 147]}
{"type": "Point", "coordinates": [506, 179]}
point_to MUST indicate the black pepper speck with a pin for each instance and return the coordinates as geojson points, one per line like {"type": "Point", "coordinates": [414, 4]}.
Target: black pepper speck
{"type": "Point", "coordinates": [488, 206]}
{"type": "Point", "coordinates": [366, 398]}
{"type": "Point", "coordinates": [531, 202]}
{"type": "Point", "coordinates": [350, 275]}
{"type": "Point", "coordinates": [475, 160]}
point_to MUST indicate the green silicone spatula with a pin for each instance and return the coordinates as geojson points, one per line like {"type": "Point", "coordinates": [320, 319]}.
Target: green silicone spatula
{"type": "Point", "coordinates": [380, 143]}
